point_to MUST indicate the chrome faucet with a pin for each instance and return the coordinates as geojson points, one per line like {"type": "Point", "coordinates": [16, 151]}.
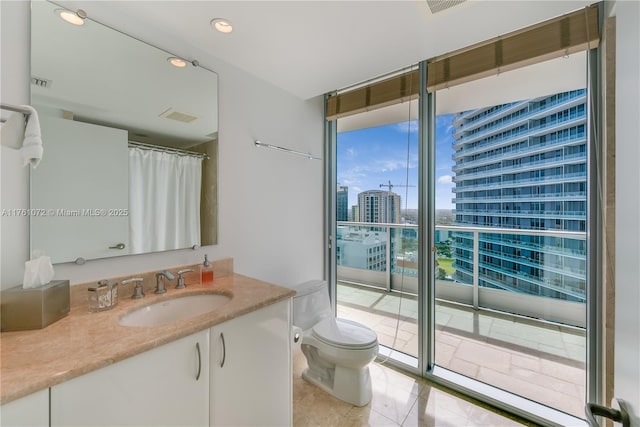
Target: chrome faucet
{"type": "Point", "coordinates": [160, 287]}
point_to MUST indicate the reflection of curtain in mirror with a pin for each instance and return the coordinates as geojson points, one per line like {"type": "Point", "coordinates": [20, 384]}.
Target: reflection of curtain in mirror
{"type": "Point", "coordinates": [164, 200]}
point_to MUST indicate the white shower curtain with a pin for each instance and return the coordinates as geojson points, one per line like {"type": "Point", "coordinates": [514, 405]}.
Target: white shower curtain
{"type": "Point", "coordinates": [164, 200]}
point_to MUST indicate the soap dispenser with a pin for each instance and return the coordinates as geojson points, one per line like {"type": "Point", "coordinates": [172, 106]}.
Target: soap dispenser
{"type": "Point", "coordinates": [206, 271]}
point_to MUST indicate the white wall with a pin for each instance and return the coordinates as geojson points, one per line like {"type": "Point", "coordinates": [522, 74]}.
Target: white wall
{"type": "Point", "coordinates": [627, 323]}
{"type": "Point", "coordinates": [270, 203]}
{"type": "Point", "coordinates": [14, 179]}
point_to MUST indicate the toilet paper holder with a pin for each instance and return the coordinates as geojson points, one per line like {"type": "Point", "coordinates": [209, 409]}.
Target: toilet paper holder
{"type": "Point", "coordinates": [296, 337]}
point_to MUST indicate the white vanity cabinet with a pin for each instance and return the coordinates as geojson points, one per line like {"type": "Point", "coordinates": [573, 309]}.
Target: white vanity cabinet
{"type": "Point", "coordinates": [31, 410]}
{"type": "Point", "coordinates": [166, 386]}
{"type": "Point", "coordinates": [251, 376]}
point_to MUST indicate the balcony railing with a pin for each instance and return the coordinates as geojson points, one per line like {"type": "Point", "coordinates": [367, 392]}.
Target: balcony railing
{"type": "Point", "coordinates": [521, 182]}
{"type": "Point", "coordinates": [510, 153]}
{"type": "Point", "coordinates": [522, 167]}
{"type": "Point", "coordinates": [463, 137]}
{"type": "Point", "coordinates": [572, 98]}
{"type": "Point", "coordinates": [560, 296]}
{"type": "Point", "coordinates": [535, 197]}
{"type": "Point", "coordinates": [522, 136]}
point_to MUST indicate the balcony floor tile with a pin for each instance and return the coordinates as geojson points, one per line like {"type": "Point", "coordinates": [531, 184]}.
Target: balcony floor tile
{"type": "Point", "coordinates": [538, 360]}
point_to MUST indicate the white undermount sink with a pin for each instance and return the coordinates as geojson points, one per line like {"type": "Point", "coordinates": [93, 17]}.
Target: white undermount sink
{"type": "Point", "coordinates": [174, 309]}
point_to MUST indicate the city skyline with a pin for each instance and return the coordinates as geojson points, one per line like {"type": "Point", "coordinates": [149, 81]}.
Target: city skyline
{"type": "Point", "coordinates": [371, 158]}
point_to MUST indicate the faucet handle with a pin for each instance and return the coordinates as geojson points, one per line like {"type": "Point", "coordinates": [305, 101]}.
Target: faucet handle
{"type": "Point", "coordinates": [181, 284]}
{"type": "Point", "coordinates": [138, 291]}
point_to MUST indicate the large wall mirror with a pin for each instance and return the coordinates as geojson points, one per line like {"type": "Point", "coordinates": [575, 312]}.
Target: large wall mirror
{"type": "Point", "coordinates": [130, 144]}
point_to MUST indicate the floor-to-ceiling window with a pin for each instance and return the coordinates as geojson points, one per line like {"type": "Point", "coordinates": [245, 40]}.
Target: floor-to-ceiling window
{"type": "Point", "coordinates": [376, 244]}
{"type": "Point", "coordinates": [492, 288]}
{"type": "Point", "coordinates": [511, 219]}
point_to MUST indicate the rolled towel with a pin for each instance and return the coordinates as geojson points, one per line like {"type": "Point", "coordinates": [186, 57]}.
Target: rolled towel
{"type": "Point", "coordinates": [32, 145]}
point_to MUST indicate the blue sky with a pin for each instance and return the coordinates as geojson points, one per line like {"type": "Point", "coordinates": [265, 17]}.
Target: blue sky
{"type": "Point", "coordinates": [373, 156]}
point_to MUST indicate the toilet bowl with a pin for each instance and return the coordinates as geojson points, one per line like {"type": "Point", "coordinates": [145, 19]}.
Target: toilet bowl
{"type": "Point", "coordinates": [338, 351]}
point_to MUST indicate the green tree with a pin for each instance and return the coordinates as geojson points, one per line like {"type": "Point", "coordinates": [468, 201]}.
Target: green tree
{"type": "Point", "coordinates": [443, 249]}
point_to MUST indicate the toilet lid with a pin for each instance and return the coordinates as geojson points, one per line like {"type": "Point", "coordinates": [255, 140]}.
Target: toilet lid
{"type": "Point", "coordinates": [344, 333]}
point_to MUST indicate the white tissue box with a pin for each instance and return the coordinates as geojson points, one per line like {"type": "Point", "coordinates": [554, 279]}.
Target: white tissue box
{"type": "Point", "coordinates": [34, 308]}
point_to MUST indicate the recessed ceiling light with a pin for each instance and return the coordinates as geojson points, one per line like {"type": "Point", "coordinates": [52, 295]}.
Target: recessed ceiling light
{"type": "Point", "coordinates": [75, 18]}
{"type": "Point", "coordinates": [177, 62]}
{"type": "Point", "coordinates": [222, 25]}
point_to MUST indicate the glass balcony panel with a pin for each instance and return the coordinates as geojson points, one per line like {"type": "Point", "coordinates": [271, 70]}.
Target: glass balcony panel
{"type": "Point", "coordinates": [513, 314]}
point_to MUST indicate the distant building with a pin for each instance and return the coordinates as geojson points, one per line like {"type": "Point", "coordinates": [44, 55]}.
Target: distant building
{"type": "Point", "coordinates": [363, 249]}
{"type": "Point", "coordinates": [379, 206]}
{"type": "Point", "coordinates": [355, 213]}
{"type": "Point", "coordinates": [442, 236]}
{"type": "Point", "coordinates": [523, 165]}
{"type": "Point", "coordinates": [342, 199]}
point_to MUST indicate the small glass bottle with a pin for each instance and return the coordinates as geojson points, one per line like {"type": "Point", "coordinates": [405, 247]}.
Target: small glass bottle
{"type": "Point", "coordinates": [103, 295]}
{"type": "Point", "coordinates": [206, 271]}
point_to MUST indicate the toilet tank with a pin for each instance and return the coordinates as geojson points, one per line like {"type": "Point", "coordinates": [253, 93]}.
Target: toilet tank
{"type": "Point", "coordinates": [311, 303]}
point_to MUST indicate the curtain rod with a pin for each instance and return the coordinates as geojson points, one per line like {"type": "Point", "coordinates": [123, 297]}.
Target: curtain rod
{"type": "Point", "coordinates": [172, 150]}
{"type": "Point", "coordinates": [287, 150]}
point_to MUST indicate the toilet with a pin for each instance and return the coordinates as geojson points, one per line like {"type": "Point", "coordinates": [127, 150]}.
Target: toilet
{"type": "Point", "coordinates": [338, 351]}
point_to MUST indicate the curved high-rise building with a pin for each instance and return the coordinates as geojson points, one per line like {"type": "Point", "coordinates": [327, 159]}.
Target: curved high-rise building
{"type": "Point", "coordinates": [523, 166]}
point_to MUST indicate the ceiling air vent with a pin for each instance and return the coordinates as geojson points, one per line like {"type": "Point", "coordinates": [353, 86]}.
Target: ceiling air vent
{"type": "Point", "coordinates": [41, 82]}
{"type": "Point", "coordinates": [440, 5]}
{"type": "Point", "coordinates": [179, 116]}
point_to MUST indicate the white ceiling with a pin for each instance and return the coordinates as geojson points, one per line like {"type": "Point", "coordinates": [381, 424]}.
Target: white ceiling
{"type": "Point", "coordinates": [104, 77]}
{"type": "Point", "coordinates": [309, 48]}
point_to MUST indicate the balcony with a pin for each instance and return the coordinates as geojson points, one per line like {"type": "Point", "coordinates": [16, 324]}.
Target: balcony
{"type": "Point", "coordinates": [522, 182]}
{"type": "Point", "coordinates": [516, 213]}
{"type": "Point", "coordinates": [510, 153]}
{"type": "Point", "coordinates": [562, 101]}
{"type": "Point", "coordinates": [462, 136]}
{"type": "Point", "coordinates": [531, 345]}
{"type": "Point", "coordinates": [531, 197]}
{"type": "Point", "coordinates": [519, 137]}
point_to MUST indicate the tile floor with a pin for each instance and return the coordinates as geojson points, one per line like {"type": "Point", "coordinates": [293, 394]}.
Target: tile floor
{"type": "Point", "coordinates": [542, 361]}
{"type": "Point", "coordinates": [399, 399]}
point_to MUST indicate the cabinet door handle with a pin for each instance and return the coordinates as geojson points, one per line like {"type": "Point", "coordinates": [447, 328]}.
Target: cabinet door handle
{"type": "Point", "coordinates": [199, 361]}
{"type": "Point", "coordinates": [224, 350]}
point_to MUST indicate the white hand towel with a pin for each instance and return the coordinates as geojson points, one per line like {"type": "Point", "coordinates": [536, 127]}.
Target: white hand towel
{"type": "Point", "coordinates": [32, 144]}
{"type": "Point", "coordinates": [12, 131]}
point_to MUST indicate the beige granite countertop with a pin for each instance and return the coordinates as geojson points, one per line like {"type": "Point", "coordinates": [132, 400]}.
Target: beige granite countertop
{"type": "Point", "coordinates": [83, 341]}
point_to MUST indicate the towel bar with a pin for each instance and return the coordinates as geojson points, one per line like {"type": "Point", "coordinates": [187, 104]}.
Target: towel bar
{"type": "Point", "coordinates": [14, 108]}
{"type": "Point", "coordinates": [287, 150]}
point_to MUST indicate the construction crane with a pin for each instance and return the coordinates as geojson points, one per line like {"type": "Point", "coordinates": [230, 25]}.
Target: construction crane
{"type": "Point", "coordinates": [390, 185]}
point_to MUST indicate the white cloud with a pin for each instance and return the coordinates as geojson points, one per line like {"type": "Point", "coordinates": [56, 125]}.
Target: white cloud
{"type": "Point", "coordinates": [391, 165]}
{"type": "Point", "coordinates": [445, 179]}
{"type": "Point", "coordinates": [352, 176]}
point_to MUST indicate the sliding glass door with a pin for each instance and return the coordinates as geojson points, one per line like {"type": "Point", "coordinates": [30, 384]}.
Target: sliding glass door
{"type": "Point", "coordinates": [463, 232]}
{"type": "Point", "coordinates": [376, 244]}
{"type": "Point", "coordinates": [510, 235]}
